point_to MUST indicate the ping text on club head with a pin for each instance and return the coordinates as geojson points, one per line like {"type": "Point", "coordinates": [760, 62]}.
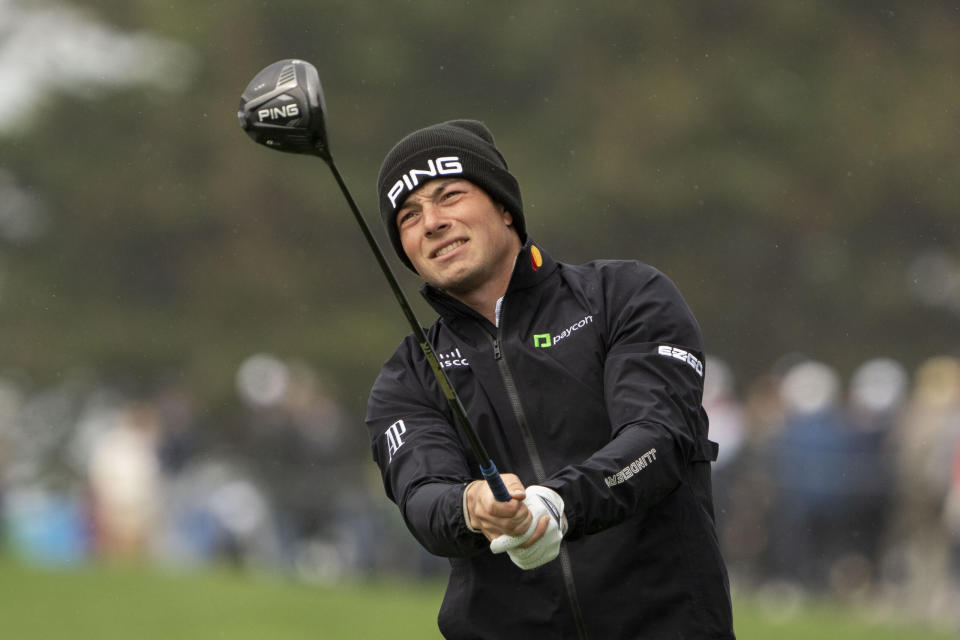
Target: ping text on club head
{"type": "Point", "coordinates": [277, 113]}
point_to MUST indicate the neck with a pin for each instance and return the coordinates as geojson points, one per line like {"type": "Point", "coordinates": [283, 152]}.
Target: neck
{"type": "Point", "coordinates": [484, 302]}
{"type": "Point", "coordinates": [483, 299]}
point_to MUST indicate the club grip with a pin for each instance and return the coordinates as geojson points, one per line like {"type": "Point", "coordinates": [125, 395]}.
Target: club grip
{"type": "Point", "coordinates": [492, 476]}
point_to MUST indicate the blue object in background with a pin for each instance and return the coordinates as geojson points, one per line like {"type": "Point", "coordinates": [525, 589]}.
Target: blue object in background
{"type": "Point", "coordinates": [46, 529]}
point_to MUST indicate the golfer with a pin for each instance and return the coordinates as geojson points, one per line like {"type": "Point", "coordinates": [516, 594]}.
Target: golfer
{"type": "Point", "coordinates": [584, 383]}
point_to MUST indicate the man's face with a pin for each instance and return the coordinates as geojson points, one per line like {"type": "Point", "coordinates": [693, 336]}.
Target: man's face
{"type": "Point", "coordinates": [456, 237]}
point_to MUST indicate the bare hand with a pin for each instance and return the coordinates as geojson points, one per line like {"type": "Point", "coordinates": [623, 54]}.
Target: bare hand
{"type": "Point", "coordinates": [493, 518]}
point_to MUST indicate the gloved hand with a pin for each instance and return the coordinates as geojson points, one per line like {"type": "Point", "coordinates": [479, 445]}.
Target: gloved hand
{"type": "Point", "coordinates": [541, 501]}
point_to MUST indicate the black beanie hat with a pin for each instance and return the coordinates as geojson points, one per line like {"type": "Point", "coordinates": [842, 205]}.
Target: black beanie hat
{"type": "Point", "coordinates": [462, 148]}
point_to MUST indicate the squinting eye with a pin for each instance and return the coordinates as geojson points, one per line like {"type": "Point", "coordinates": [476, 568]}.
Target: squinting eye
{"type": "Point", "coordinates": [404, 216]}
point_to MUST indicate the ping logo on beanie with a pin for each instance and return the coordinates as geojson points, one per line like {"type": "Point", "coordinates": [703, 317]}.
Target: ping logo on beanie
{"type": "Point", "coordinates": [445, 166]}
{"type": "Point", "coordinates": [457, 147]}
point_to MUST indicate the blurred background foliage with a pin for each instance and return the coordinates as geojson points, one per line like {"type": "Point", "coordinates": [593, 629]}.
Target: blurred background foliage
{"type": "Point", "coordinates": [792, 166]}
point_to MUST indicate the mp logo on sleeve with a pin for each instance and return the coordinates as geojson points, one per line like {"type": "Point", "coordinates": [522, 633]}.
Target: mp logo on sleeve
{"type": "Point", "coordinates": [394, 435]}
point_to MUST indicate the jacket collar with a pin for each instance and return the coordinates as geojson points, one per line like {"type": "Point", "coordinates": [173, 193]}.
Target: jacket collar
{"type": "Point", "coordinates": [532, 267]}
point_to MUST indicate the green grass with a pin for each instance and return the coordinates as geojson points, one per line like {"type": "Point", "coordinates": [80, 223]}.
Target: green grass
{"type": "Point", "coordinates": [756, 619]}
{"type": "Point", "coordinates": [108, 603]}
{"type": "Point", "coordinates": [118, 603]}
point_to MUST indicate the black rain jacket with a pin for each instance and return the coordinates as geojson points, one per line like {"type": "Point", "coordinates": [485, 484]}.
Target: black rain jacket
{"type": "Point", "coordinates": [590, 385]}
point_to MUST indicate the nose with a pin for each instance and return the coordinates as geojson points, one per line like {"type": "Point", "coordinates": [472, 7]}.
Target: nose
{"type": "Point", "coordinates": [433, 221]}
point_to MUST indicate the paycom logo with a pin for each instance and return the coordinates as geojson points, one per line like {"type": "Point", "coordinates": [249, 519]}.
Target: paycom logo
{"type": "Point", "coordinates": [542, 340]}
{"type": "Point", "coordinates": [546, 340]}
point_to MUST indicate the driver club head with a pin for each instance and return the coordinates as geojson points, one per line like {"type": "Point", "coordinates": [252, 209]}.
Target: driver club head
{"type": "Point", "coordinates": [283, 108]}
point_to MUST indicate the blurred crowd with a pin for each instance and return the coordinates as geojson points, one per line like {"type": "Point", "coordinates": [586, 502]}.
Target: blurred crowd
{"type": "Point", "coordinates": [850, 489]}
{"type": "Point", "coordinates": [90, 473]}
{"type": "Point", "coordinates": [823, 486]}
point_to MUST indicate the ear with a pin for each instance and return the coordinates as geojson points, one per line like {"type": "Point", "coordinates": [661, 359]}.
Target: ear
{"type": "Point", "coordinates": [506, 215]}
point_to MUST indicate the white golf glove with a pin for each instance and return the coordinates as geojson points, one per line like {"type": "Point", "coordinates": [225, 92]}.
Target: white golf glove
{"type": "Point", "coordinates": [540, 501]}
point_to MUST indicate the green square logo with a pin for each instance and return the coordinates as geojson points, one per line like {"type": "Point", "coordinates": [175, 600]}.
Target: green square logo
{"type": "Point", "coordinates": [542, 340]}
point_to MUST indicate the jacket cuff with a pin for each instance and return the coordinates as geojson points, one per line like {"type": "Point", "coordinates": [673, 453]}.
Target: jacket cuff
{"type": "Point", "coordinates": [463, 508]}
{"type": "Point", "coordinates": [434, 514]}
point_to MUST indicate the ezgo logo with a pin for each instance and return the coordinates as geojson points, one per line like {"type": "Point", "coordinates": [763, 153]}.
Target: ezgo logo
{"type": "Point", "coordinates": [544, 340]}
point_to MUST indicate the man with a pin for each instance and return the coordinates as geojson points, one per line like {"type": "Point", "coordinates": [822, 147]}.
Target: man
{"type": "Point", "coordinates": [583, 382]}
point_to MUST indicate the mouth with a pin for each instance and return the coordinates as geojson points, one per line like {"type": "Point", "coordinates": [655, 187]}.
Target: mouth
{"type": "Point", "coordinates": [447, 248]}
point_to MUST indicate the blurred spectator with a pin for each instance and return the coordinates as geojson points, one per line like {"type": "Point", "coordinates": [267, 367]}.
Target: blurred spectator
{"type": "Point", "coordinates": [124, 477]}
{"type": "Point", "coordinates": [810, 472]}
{"type": "Point", "coordinates": [727, 426]}
{"type": "Point", "coordinates": [951, 521]}
{"type": "Point", "coordinates": [926, 440]}
{"type": "Point", "coordinates": [10, 401]}
{"type": "Point", "coordinates": [178, 438]}
{"type": "Point", "coordinates": [213, 512]}
{"type": "Point", "coordinates": [745, 526]}
{"type": "Point", "coordinates": [301, 451]}
{"type": "Point", "coordinates": [876, 394]}
{"type": "Point", "coordinates": [728, 429]}
{"type": "Point", "coordinates": [44, 509]}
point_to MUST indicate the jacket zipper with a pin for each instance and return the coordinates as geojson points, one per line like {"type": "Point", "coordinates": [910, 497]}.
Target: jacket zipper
{"type": "Point", "coordinates": [540, 474]}
{"type": "Point", "coordinates": [514, 397]}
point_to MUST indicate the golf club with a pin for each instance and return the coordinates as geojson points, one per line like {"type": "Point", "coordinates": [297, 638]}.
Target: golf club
{"type": "Point", "coordinates": [283, 108]}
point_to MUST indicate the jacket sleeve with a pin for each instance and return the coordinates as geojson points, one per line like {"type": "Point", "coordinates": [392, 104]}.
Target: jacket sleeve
{"type": "Point", "coordinates": [421, 459]}
{"type": "Point", "coordinates": [653, 386]}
